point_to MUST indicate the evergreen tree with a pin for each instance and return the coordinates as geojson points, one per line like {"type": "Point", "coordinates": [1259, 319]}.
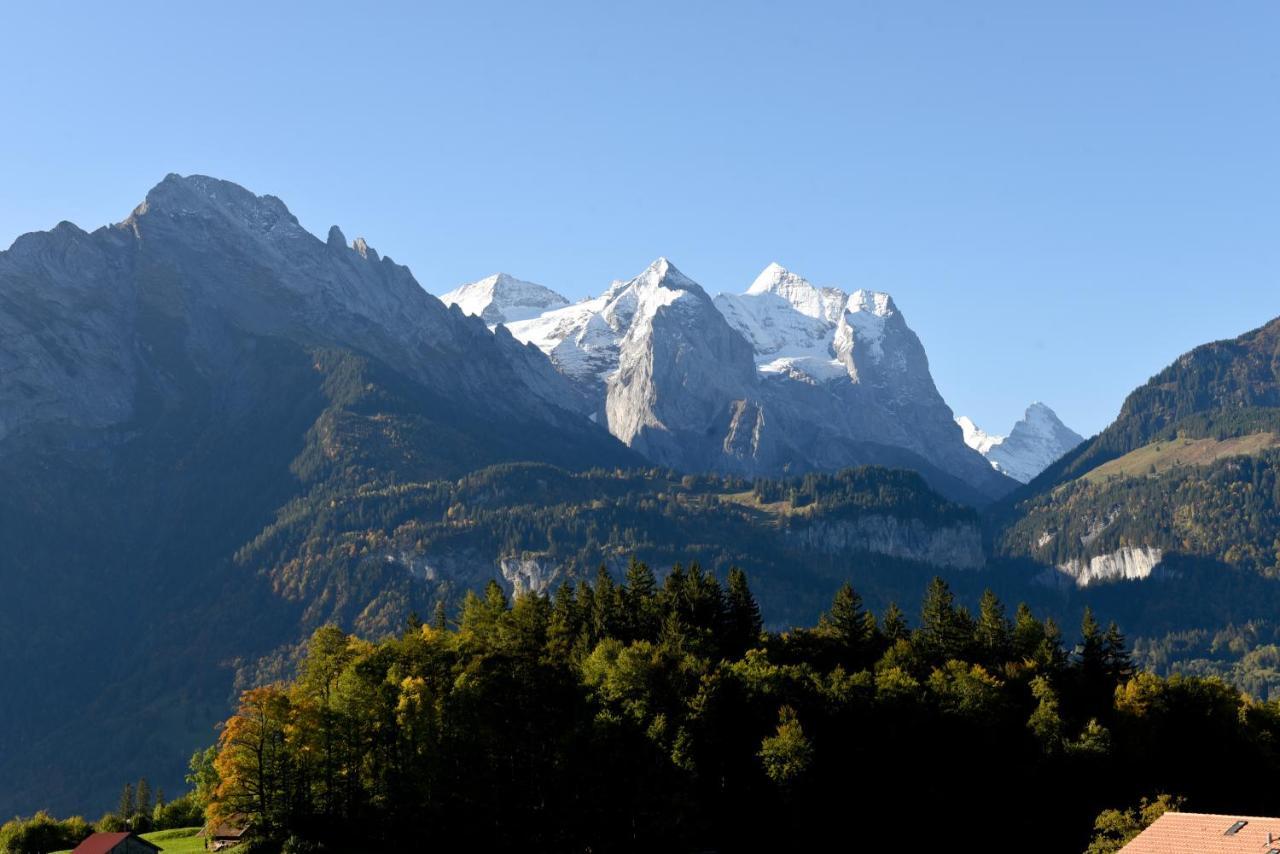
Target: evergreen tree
{"type": "Point", "coordinates": [1028, 633]}
{"type": "Point", "coordinates": [994, 634]}
{"type": "Point", "coordinates": [893, 625]}
{"type": "Point", "coordinates": [1091, 649]}
{"type": "Point", "coordinates": [846, 625]}
{"type": "Point", "coordinates": [610, 610]}
{"type": "Point", "coordinates": [945, 630]}
{"type": "Point", "coordinates": [640, 605]}
{"type": "Point", "coordinates": [440, 617]}
{"type": "Point", "coordinates": [586, 597]}
{"type": "Point", "coordinates": [142, 797]}
{"type": "Point", "coordinates": [1116, 661]}
{"type": "Point", "coordinates": [743, 621]}
{"type": "Point", "coordinates": [1050, 657]}
{"type": "Point", "coordinates": [128, 803]}
{"type": "Point", "coordinates": [565, 623]}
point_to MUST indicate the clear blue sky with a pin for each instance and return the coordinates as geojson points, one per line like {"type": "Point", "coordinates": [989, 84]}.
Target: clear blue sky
{"type": "Point", "coordinates": [1060, 196]}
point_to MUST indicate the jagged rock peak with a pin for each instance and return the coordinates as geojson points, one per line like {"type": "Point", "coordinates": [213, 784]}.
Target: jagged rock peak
{"type": "Point", "coordinates": [199, 196]}
{"type": "Point", "coordinates": [337, 240]}
{"type": "Point", "coordinates": [365, 250]}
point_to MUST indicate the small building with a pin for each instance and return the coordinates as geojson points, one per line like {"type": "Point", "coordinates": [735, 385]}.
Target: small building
{"type": "Point", "coordinates": [227, 833]}
{"type": "Point", "coordinates": [116, 843]}
{"type": "Point", "coordinates": [1203, 833]}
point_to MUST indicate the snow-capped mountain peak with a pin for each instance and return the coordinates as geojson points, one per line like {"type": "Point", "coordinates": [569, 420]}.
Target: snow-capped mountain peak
{"type": "Point", "coordinates": [1033, 444]}
{"type": "Point", "coordinates": [787, 376]}
{"type": "Point", "coordinates": [501, 298]}
{"type": "Point", "coordinates": [803, 296]}
{"type": "Point", "coordinates": [583, 338]}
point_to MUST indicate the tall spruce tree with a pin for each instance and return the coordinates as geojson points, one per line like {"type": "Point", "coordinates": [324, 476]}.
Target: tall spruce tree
{"type": "Point", "coordinates": [742, 616]}
{"type": "Point", "coordinates": [142, 797]}
{"type": "Point", "coordinates": [639, 596]}
{"type": "Point", "coordinates": [945, 630]}
{"type": "Point", "coordinates": [1116, 660]}
{"type": "Point", "coordinates": [846, 625]}
{"type": "Point", "coordinates": [994, 634]}
{"type": "Point", "coordinates": [893, 624]}
{"type": "Point", "coordinates": [128, 802]}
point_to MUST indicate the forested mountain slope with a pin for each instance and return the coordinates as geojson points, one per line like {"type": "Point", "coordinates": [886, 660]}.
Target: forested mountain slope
{"type": "Point", "coordinates": [1188, 467]}
{"type": "Point", "coordinates": [169, 383]}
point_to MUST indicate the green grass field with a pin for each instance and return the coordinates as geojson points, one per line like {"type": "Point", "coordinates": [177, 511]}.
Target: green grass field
{"type": "Point", "coordinates": [178, 840]}
{"type": "Point", "coordinates": [1159, 457]}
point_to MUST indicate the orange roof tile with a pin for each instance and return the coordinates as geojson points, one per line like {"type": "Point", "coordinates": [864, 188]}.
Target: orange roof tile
{"type": "Point", "coordinates": [1203, 833]}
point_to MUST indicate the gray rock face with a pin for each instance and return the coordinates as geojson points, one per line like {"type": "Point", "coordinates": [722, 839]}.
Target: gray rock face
{"type": "Point", "coordinates": [785, 378]}
{"type": "Point", "coordinates": [206, 259]}
{"type": "Point", "coordinates": [951, 546]}
{"type": "Point", "coordinates": [681, 372]}
{"type": "Point", "coordinates": [1124, 564]}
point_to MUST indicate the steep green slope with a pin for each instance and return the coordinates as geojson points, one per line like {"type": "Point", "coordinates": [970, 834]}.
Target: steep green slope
{"type": "Point", "coordinates": [1189, 467]}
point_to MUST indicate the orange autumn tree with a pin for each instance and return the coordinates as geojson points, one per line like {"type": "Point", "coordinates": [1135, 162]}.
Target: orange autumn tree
{"type": "Point", "coordinates": [253, 760]}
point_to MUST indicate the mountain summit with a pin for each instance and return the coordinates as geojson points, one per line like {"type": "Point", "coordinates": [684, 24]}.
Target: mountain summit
{"type": "Point", "coordinates": [1034, 443]}
{"type": "Point", "coordinates": [503, 299]}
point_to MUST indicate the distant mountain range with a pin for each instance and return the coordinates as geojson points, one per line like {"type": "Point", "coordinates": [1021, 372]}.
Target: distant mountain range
{"type": "Point", "coordinates": [783, 379]}
{"type": "Point", "coordinates": [219, 432]}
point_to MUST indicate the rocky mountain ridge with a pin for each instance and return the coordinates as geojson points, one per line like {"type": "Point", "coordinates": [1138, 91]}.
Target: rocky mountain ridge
{"type": "Point", "coordinates": [784, 378]}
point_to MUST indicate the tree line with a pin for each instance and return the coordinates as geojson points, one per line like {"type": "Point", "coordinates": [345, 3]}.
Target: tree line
{"type": "Point", "coordinates": [643, 715]}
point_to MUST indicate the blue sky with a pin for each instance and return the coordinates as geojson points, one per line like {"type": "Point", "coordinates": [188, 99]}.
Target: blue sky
{"type": "Point", "coordinates": [1060, 197]}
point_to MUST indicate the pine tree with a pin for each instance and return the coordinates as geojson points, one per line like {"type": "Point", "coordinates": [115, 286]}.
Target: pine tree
{"type": "Point", "coordinates": [846, 625]}
{"type": "Point", "coordinates": [743, 621]}
{"type": "Point", "coordinates": [609, 607]}
{"type": "Point", "coordinates": [1050, 657]}
{"type": "Point", "coordinates": [893, 624]}
{"type": "Point", "coordinates": [440, 617]}
{"type": "Point", "coordinates": [1090, 650]}
{"type": "Point", "coordinates": [1116, 661]}
{"type": "Point", "coordinates": [128, 804]}
{"type": "Point", "coordinates": [994, 634]}
{"type": "Point", "coordinates": [639, 596]}
{"type": "Point", "coordinates": [1028, 633]}
{"type": "Point", "coordinates": [142, 797]}
{"type": "Point", "coordinates": [945, 630]}
{"type": "Point", "coordinates": [495, 600]}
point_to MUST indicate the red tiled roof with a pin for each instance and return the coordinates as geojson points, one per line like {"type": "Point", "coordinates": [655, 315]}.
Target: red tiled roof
{"type": "Point", "coordinates": [102, 843]}
{"type": "Point", "coordinates": [1202, 833]}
